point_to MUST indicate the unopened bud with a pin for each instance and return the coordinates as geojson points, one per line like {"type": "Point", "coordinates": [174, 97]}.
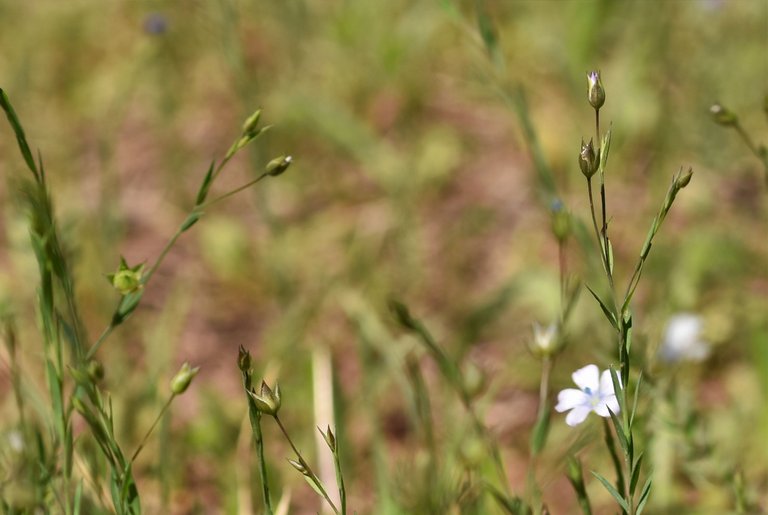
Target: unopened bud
{"type": "Point", "coordinates": [183, 378]}
{"type": "Point", "coordinates": [595, 92]}
{"type": "Point", "coordinates": [329, 437]}
{"type": "Point", "coordinates": [723, 116]}
{"type": "Point", "coordinates": [589, 160]}
{"type": "Point", "coordinates": [251, 125]}
{"type": "Point", "coordinates": [474, 380]}
{"type": "Point", "coordinates": [683, 178]}
{"type": "Point", "coordinates": [95, 371]}
{"type": "Point", "coordinates": [127, 279]}
{"type": "Point", "coordinates": [243, 359]}
{"type": "Point", "coordinates": [278, 165]}
{"type": "Point", "coordinates": [402, 314]}
{"type": "Point", "coordinates": [299, 466]}
{"type": "Point", "coordinates": [267, 401]}
{"type": "Point", "coordinates": [546, 341]}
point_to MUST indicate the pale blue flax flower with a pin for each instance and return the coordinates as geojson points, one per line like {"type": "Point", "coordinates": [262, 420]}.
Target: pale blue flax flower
{"type": "Point", "coordinates": [595, 393]}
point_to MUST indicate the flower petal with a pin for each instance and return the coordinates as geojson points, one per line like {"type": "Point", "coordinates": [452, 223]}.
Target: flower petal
{"type": "Point", "coordinates": [577, 415]}
{"type": "Point", "coordinates": [587, 377]}
{"type": "Point", "coordinates": [609, 402]}
{"type": "Point", "coordinates": [606, 383]}
{"type": "Point", "coordinates": [613, 403]}
{"type": "Point", "coordinates": [570, 398]}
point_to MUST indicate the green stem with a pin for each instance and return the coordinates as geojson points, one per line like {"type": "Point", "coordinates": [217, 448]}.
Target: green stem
{"type": "Point", "coordinates": [102, 337]}
{"type": "Point", "coordinates": [152, 428]}
{"type": "Point", "coordinates": [594, 226]}
{"type": "Point", "coordinates": [340, 480]}
{"type": "Point", "coordinates": [309, 473]}
{"type": "Point", "coordinates": [233, 192]}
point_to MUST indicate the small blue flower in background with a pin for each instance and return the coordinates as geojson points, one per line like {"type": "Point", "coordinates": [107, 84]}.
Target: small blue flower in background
{"type": "Point", "coordinates": [595, 393]}
{"type": "Point", "coordinates": [155, 24]}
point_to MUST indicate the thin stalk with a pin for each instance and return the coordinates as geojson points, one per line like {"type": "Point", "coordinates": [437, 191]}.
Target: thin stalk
{"type": "Point", "coordinates": [309, 473]}
{"type": "Point", "coordinates": [340, 480]}
{"type": "Point", "coordinates": [747, 140]}
{"type": "Point", "coordinates": [546, 369]}
{"type": "Point", "coordinates": [254, 415]}
{"type": "Point", "coordinates": [102, 337]}
{"type": "Point", "coordinates": [152, 427]}
{"type": "Point", "coordinates": [597, 124]}
{"type": "Point", "coordinates": [233, 192]}
{"type": "Point", "coordinates": [258, 439]}
{"type": "Point", "coordinates": [594, 226]}
{"type": "Point", "coordinates": [562, 264]}
{"type": "Point", "coordinates": [752, 147]}
{"type": "Point", "coordinates": [162, 255]}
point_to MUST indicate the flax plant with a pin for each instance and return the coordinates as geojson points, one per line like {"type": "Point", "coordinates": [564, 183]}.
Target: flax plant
{"type": "Point", "coordinates": [627, 458]}
{"type": "Point", "coordinates": [73, 375]}
{"type": "Point", "coordinates": [268, 401]}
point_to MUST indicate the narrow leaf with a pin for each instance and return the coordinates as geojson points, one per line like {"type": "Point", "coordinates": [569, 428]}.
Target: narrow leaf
{"type": "Point", "coordinates": [616, 495]}
{"type": "Point", "coordinates": [618, 390]}
{"type": "Point", "coordinates": [540, 430]}
{"type": "Point", "coordinates": [206, 185]}
{"type": "Point", "coordinates": [610, 255]}
{"type": "Point", "coordinates": [635, 475]}
{"type": "Point", "coordinates": [21, 138]}
{"type": "Point", "coordinates": [646, 492]}
{"type": "Point", "coordinates": [634, 401]}
{"type": "Point", "coordinates": [606, 311]}
{"type": "Point", "coordinates": [620, 433]}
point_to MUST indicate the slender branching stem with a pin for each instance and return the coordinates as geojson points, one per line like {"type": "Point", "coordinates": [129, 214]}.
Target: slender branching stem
{"type": "Point", "coordinates": [562, 265]}
{"type": "Point", "coordinates": [594, 226]}
{"type": "Point", "coordinates": [233, 192]}
{"type": "Point", "coordinates": [100, 340]}
{"type": "Point", "coordinates": [309, 473]}
{"type": "Point", "coordinates": [152, 427]}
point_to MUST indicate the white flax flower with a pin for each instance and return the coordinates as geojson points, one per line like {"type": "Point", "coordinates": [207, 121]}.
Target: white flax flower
{"type": "Point", "coordinates": [682, 339]}
{"type": "Point", "coordinates": [595, 393]}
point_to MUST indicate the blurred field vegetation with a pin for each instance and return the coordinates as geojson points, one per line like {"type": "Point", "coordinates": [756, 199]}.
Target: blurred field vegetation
{"type": "Point", "coordinates": [413, 178]}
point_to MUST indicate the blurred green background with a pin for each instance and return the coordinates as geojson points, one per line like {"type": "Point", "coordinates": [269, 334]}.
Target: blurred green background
{"type": "Point", "coordinates": [412, 178]}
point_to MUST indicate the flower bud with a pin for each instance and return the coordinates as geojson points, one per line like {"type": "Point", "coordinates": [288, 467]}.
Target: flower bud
{"type": "Point", "coordinates": [267, 401]}
{"type": "Point", "coordinates": [251, 125]}
{"type": "Point", "coordinates": [127, 279]}
{"type": "Point", "coordinates": [243, 360]}
{"type": "Point", "coordinates": [595, 92]}
{"type": "Point", "coordinates": [683, 178]}
{"type": "Point", "coordinates": [474, 380]}
{"type": "Point", "coordinates": [589, 160]}
{"type": "Point", "coordinates": [278, 165]}
{"type": "Point", "coordinates": [330, 438]}
{"type": "Point", "coordinates": [723, 116]}
{"type": "Point", "coordinates": [402, 314]}
{"type": "Point", "coordinates": [546, 341]}
{"type": "Point", "coordinates": [298, 465]}
{"type": "Point", "coordinates": [183, 378]}
{"type": "Point", "coordinates": [95, 371]}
